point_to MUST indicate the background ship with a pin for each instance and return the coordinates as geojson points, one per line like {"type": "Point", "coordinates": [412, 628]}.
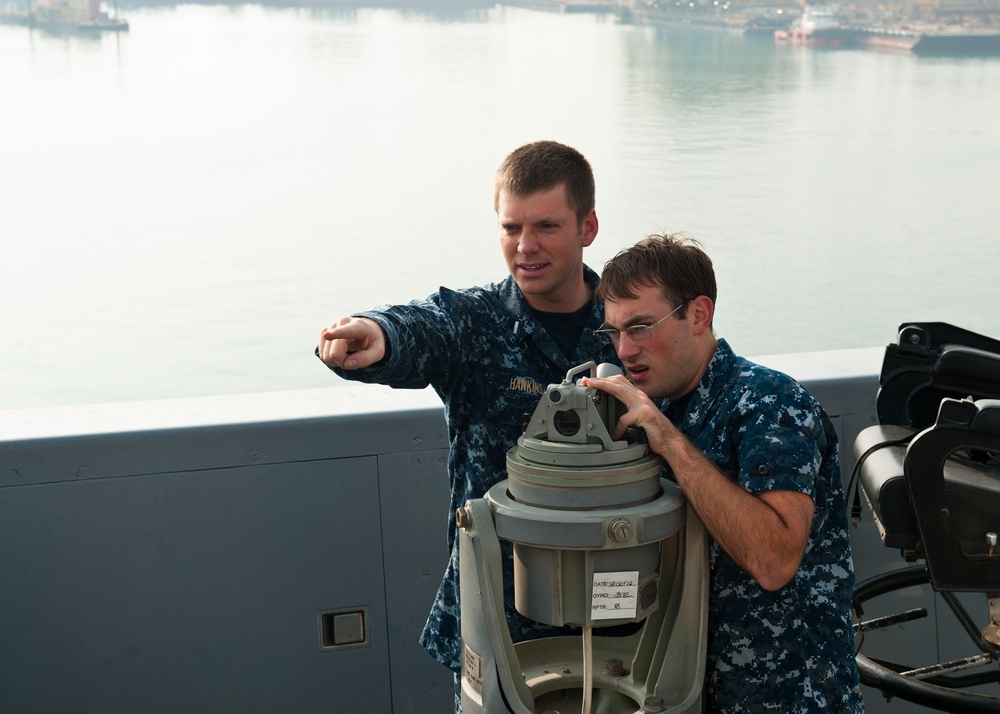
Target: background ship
{"type": "Point", "coordinates": [819, 25]}
{"type": "Point", "coordinates": [68, 16]}
{"type": "Point", "coordinates": [826, 25]}
{"type": "Point", "coordinates": [931, 41]}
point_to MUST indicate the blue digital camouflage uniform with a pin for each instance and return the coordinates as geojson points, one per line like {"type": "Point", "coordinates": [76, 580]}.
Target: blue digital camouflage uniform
{"type": "Point", "coordinates": [490, 361]}
{"type": "Point", "coordinates": [791, 650]}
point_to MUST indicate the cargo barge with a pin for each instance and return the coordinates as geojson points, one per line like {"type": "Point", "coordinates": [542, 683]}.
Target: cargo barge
{"type": "Point", "coordinates": [949, 41]}
{"type": "Point", "coordinates": [960, 41]}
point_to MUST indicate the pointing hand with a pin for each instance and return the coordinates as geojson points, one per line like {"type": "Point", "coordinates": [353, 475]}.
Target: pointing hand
{"type": "Point", "coordinates": [352, 343]}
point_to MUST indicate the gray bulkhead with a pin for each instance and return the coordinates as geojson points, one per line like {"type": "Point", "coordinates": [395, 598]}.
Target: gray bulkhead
{"type": "Point", "coordinates": [273, 552]}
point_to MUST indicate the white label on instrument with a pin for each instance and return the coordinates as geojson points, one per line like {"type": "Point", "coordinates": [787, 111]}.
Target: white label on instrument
{"type": "Point", "coordinates": [472, 669]}
{"type": "Point", "coordinates": [614, 595]}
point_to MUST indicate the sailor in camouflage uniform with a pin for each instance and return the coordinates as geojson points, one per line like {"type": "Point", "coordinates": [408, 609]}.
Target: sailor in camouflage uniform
{"type": "Point", "coordinates": [489, 352]}
{"type": "Point", "coordinates": [757, 457]}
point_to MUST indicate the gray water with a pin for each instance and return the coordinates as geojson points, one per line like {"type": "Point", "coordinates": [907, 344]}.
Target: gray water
{"type": "Point", "coordinates": [184, 206]}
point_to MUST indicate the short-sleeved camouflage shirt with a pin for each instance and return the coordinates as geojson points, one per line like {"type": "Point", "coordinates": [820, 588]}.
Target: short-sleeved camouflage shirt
{"type": "Point", "coordinates": [490, 361]}
{"type": "Point", "coordinates": [791, 650]}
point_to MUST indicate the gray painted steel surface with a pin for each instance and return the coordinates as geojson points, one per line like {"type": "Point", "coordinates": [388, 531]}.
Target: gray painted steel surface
{"type": "Point", "coordinates": [205, 555]}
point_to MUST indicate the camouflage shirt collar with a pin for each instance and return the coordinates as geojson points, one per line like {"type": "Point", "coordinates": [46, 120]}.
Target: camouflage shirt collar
{"type": "Point", "coordinates": [524, 322]}
{"type": "Point", "coordinates": [717, 377]}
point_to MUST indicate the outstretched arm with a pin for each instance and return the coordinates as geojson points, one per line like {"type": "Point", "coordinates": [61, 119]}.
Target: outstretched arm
{"type": "Point", "coordinates": [765, 534]}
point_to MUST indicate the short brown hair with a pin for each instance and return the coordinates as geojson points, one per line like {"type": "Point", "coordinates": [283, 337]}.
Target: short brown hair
{"type": "Point", "coordinates": [674, 263]}
{"type": "Point", "coordinates": [543, 165]}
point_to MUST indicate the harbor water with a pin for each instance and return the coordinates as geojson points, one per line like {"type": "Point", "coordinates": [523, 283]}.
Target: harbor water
{"type": "Point", "coordinates": [184, 206]}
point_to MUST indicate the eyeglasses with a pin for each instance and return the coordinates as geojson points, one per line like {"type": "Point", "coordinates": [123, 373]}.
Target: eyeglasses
{"type": "Point", "coordinates": [634, 332]}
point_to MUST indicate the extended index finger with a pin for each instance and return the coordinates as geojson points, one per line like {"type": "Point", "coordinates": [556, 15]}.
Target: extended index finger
{"type": "Point", "coordinates": [342, 329]}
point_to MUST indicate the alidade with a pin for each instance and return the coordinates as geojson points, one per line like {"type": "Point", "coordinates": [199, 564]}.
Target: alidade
{"type": "Point", "coordinates": [600, 539]}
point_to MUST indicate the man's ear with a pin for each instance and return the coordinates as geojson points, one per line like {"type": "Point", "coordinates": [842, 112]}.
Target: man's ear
{"type": "Point", "coordinates": [589, 228]}
{"type": "Point", "coordinates": [702, 310]}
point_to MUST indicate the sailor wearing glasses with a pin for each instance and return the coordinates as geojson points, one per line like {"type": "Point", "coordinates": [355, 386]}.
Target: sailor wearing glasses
{"type": "Point", "coordinates": [757, 457]}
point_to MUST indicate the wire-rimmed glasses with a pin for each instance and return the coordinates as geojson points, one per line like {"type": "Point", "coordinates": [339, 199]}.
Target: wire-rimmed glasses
{"type": "Point", "coordinates": [634, 332]}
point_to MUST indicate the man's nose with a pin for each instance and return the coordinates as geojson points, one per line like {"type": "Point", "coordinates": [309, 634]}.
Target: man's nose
{"type": "Point", "coordinates": [626, 346]}
{"type": "Point", "coordinates": [527, 243]}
